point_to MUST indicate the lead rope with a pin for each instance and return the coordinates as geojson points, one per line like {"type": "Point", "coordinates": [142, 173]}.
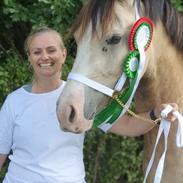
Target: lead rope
{"type": "Point", "coordinates": [155, 122]}
{"type": "Point", "coordinates": [165, 128]}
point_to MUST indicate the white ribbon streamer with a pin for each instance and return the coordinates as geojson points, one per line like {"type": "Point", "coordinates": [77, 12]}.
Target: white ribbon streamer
{"type": "Point", "coordinates": [165, 128]}
{"type": "Point", "coordinates": [121, 82]}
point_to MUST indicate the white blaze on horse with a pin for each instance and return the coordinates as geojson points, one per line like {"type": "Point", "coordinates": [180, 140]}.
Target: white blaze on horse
{"type": "Point", "coordinates": [102, 33]}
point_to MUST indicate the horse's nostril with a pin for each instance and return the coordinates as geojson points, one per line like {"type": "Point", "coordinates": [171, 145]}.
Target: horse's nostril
{"type": "Point", "coordinates": [76, 129]}
{"type": "Point", "coordinates": [72, 114]}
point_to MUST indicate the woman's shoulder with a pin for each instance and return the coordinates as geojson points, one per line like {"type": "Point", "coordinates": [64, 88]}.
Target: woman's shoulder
{"type": "Point", "coordinates": [17, 91]}
{"type": "Point", "coordinates": [24, 92]}
{"type": "Point", "coordinates": [16, 94]}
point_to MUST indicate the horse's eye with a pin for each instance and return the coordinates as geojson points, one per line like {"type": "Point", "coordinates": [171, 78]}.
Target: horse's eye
{"type": "Point", "coordinates": [115, 39]}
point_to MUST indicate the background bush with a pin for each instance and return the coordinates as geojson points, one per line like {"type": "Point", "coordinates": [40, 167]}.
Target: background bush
{"type": "Point", "coordinates": [108, 158]}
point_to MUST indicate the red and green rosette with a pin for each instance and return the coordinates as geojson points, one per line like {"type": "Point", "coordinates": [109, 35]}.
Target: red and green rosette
{"type": "Point", "coordinates": [141, 33]}
{"type": "Point", "coordinates": [131, 64]}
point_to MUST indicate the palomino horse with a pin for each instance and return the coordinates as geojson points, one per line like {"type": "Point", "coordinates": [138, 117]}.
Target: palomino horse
{"type": "Point", "coordinates": [101, 32]}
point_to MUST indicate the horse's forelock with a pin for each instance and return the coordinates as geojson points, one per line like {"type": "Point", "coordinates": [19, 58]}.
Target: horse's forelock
{"type": "Point", "coordinates": [160, 10]}
{"type": "Point", "coordinates": [92, 11]}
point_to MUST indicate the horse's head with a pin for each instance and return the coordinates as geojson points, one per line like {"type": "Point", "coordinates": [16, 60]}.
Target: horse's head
{"type": "Point", "coordinates": [102, 34]}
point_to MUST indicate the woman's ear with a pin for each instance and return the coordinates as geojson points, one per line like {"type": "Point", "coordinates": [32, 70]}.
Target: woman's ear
{"type": "Point", "coordinates": [29, 63]}
{"type": "Point", "coordinates": [64, 54]}
{"type": "Point", "coordinates": [28, 57]}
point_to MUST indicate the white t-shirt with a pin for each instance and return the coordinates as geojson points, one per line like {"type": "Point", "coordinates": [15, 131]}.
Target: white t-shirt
{"type": "Point", "coordinates": [41, 151]}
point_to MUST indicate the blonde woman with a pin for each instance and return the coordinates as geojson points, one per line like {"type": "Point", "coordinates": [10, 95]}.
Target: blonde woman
{"type": "Point", "coordinates": [41, 151]}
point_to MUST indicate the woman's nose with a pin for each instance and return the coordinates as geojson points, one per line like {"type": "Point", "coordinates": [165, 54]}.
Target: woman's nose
{"type": "Point", "coordinates": [44, 55]}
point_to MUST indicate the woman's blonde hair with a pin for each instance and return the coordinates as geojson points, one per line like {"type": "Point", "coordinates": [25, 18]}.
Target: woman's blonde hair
{"type": "Point", "coordinates": [40, 30]}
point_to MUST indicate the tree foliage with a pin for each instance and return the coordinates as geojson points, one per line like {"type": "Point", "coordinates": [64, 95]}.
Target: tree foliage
{"type": "Point", "coordinates": [178, 4]}
{"type": "Point", "coordinates": [108, 158]}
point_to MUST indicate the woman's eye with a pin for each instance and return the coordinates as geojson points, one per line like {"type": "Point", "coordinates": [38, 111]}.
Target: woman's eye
{"type": "Point", "coordinates": [51, 50]}
{"type": "Point", "coordinates": [36, 52]}
{"type": "Point", "coordinates": [115, 39]}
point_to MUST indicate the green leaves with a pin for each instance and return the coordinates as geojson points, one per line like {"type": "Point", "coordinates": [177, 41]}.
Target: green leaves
{"type": "Point", "coordinates": [15, 11]}
{"type": "Point", "coordinates": [111, 159]}
{"type": "Point", "coordinates": [178, 4]}
{"type": "Point", "coordinates": [13, 74]}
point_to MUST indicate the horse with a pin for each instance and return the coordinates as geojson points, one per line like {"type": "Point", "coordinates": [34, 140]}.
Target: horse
{"type": "Point", "coordinates": [101, 32]}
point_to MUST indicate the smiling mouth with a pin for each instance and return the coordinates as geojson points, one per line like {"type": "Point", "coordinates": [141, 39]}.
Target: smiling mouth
{"type": "Point", "coordinates": [44, 65]}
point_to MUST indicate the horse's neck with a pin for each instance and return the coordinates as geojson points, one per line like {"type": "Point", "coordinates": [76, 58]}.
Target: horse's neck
{"type": "Point", "coordinates": [162, 82]}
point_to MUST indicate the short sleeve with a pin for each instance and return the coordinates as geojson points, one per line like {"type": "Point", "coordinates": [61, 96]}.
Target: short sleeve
{"type": "Point", "coordinates": [6, 128]}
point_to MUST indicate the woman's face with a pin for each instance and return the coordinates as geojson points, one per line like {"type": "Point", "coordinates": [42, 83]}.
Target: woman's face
{"type": "Point", "coordinates": [46, 55]}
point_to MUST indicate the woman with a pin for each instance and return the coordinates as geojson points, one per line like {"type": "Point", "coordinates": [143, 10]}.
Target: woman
{"type": "Point", "coordinates": [41, 152]}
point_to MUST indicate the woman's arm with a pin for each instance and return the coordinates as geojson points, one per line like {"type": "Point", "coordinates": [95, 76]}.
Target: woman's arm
{"type": "Point", "coordinates": [131, 126]}
{"type": "Point", "coordinates": [2, 160]}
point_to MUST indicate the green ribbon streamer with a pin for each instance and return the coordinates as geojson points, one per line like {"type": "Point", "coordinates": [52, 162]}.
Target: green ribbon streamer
{"type": "Point", "coordinates": [113, 110]}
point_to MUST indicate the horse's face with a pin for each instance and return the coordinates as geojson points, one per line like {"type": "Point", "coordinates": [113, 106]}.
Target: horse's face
{"type": "Point", "coordinates": [100, 59]}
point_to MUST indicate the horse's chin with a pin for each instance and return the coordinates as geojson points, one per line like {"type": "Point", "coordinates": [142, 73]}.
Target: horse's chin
{"type": "Point", "coordinates": [78, 128]}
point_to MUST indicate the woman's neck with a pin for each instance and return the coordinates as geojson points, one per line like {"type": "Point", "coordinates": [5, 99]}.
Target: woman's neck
{"type": "Point", "coordinates": [45, 85]}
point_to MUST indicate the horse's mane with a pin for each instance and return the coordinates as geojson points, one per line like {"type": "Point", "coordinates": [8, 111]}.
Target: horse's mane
{"type": "Point", "coordinates": [171, 19]}
{"type": "Point", "coordinates": [155, 9]}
